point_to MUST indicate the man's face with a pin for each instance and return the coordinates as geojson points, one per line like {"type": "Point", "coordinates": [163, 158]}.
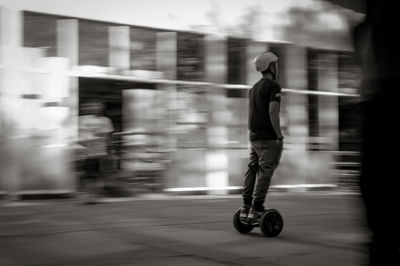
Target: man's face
{"type": "Point", "coordinates": [274, 69]}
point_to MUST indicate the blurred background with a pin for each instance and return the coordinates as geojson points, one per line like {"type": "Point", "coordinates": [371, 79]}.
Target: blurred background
{"type": "Point", "coordinates": [173, 76]}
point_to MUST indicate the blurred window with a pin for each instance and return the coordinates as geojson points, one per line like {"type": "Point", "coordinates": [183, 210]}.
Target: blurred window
{"type": "Point", "coordinates": [40, 31]}
{"type": "Point", "coordinates": [143, 48]}
{"type": "Point", "coordinates": [93, 43]}
{"type": "Point", "coordinates": [237, 60]}
{"type": "Point", "coordinates": [190, 56]}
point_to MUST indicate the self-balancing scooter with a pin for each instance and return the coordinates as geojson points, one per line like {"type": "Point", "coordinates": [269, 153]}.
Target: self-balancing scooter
{"type": "Point", "coordinates": [270, 223]}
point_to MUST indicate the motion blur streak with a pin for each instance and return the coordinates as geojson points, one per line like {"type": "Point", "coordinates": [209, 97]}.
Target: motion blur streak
{"type": "Point", "coordinates": [171, 82]}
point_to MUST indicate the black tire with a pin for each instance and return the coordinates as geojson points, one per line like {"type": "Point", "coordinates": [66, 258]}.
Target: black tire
{"type": "Point", "coordinates": [271, 223]}
{"type": "Point", "coordinates": [239, 226]}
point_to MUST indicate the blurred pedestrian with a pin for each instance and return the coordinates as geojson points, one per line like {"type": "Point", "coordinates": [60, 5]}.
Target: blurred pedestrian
{"type": "Point", "coordinates": [377, 45]}
{"type": "Point", "coordinates": [95, 131]}
{"type": "Point", "coordinates": [265, 136]}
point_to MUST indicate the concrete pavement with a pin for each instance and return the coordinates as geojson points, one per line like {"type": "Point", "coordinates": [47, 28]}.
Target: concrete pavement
{"type": "Point", "coordinates": [320, 229]}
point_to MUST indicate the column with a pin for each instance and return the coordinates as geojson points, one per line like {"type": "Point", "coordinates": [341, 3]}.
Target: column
{"type": "Point", "coordinates": [294, 119]}
{"type": "Point", "coordinates": [67, 40]}
{"type": "Point", "coordinates": [166, 63]}
{"type": "Point", "coordinates": [167, 54]}
{"type": "Point", "coordinates": [296, 104]}
{"type": "Point", "coordinates": [12, 140]}
{"type": "Point", "coordinates": [68, 47]}
{"type": "Point", "coordinates": [216, 58]}
{"type": "Point", "coordinates": [217, 158]}
{"type": "Point", "coordinates": [328, 113]}
{"type": "Point", "coordinates": [119, 45]}
{"type": "Point", "coordinates": [328, 116]}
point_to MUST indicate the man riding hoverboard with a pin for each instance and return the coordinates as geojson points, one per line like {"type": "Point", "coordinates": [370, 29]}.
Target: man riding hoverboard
{"type": "Point", "coordinates": [266, 149]}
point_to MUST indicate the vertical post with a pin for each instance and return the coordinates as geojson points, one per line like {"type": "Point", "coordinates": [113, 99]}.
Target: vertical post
{"type": "Point", "coordinates": [217, 159]}
{"type": "Point", "coordinates": [216, 58]}
{"type": "Point", "coordinates": [11, 139]}
{"type": "Point", "coordinates": [166, 58]}
{"type": "Point", "coordinates": [119, 47]}
{"type": "Point", "coordinates": [328, 113]}
{"type": "Point", "coordinates": [67, 40]}
{"type": "Point", "coordinates": [294, 106]}
{"type": "Point", "coordinates": [166, 62]}
{"type": "Point", "coordinates": [166, 49]}
{"type": "Point", "coordinates": [68, 47]}
{"type": "Point", "coordinates": [11, 27]}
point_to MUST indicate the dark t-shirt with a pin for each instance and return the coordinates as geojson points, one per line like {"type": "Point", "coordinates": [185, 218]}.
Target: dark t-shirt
{"type": "Point", "coordinates": [263, 92]}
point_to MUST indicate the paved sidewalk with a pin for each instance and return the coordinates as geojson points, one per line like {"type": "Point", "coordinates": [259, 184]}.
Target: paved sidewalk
{"type": "Point", "coordinates": [321, 228]}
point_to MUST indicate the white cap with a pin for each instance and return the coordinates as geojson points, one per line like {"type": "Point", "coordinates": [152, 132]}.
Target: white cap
{"type": "Point", "coordinates": [263, 61]}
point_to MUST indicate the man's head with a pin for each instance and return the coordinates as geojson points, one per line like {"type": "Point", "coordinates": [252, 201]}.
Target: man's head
{"type": "Point", "coordinates": [94, 107]}
{"type": "Point", "coordinates": [267, 63]}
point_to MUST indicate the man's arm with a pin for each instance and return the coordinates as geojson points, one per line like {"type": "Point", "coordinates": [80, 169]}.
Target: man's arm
{"type": "Point", "coordinates": [274, 116]}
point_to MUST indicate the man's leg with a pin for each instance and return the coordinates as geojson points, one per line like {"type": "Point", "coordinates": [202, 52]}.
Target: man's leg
{"type": "Point", "coordinates": [91, 186]}
{"type": "Point", "coordinates": [250, 178]}
{"type": "Point", "coordinates": [269, 152]}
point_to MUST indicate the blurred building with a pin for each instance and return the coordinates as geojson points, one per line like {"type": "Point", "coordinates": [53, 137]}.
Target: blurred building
{"type": "Point", "coordinates": [177, 100]}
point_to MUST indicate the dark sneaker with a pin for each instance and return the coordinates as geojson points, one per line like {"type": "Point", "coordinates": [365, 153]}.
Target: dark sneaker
{"type": "Point", "coordinates": [255, 214]}
{"type": "Point", "coordinates": [244, 211]}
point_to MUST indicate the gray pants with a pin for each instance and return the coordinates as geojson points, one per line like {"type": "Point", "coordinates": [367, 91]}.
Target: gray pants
{"type": "Point", "coordinates": [264, 159]}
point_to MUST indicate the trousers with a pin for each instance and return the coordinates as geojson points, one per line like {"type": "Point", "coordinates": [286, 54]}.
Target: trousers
{"type": "Point", "coordinates": [265, 156]}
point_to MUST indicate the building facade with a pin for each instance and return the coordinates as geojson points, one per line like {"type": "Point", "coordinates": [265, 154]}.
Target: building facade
{"type": "Point", "coordinates": [177, 101]}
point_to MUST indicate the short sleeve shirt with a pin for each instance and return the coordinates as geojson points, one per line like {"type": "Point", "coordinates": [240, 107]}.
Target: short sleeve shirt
{"type": "Point", "coordinates": [261, 95]}
{"type": "Point", "coordinates": [91, 134]}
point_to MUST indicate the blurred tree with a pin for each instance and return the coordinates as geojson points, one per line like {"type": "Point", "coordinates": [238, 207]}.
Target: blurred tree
{"type": "Point", "coordinates": [250, 23]}
{"type": "Point", "coordinates": [322, 23]}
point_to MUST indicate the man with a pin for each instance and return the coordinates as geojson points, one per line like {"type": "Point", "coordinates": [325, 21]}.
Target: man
{"type": "Point", "coordinates": [265, 136]}
{"type": "Point", "coordinates": [377, 45]}
{"type": "Point", "coordinates": [94, 134]}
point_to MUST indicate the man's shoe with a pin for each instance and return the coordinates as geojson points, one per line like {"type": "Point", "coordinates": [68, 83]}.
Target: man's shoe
{"type": "Point", "coordinates": [244, 212]}
{"type": "Point", "coordinates": [255, 215]}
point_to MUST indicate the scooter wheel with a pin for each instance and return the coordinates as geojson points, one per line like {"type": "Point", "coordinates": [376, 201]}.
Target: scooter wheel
{"type": "Point", "coordinates": [241, 227]}
{"type": "Point", "coordinates": [271, 223]}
